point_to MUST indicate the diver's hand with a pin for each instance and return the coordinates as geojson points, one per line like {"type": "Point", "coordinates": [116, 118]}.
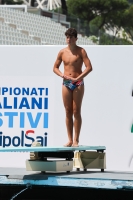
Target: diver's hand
{"type": "Point", "coordinates": [70, 78]}
{"type": "Point", "coordinates": [66, 77]}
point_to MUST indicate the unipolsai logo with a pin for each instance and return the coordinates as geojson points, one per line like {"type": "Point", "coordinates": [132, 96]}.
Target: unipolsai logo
{"type": "Point", "coordinates": [24, 109]}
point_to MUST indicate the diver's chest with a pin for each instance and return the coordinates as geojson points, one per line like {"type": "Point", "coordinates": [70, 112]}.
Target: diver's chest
{"type": "Point", "coordinates": [70, 58]}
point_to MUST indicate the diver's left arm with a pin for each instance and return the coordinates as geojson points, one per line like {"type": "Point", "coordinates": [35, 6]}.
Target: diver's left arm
{"type": "Point", "coordinates": [87, 63]}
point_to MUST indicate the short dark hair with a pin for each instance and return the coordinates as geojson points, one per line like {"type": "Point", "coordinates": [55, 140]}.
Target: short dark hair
{"type": "Point", "coordinates": [71, 32]}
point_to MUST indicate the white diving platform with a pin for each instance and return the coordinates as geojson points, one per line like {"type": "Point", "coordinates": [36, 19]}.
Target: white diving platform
{"type": "Point", "coordinates": [52, 149]}
{"type": "Point", "coordinates": [51, 158]}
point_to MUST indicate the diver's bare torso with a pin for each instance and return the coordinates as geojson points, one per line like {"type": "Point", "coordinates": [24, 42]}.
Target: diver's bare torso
{"type": "Point", "coordinates": [72, 61]}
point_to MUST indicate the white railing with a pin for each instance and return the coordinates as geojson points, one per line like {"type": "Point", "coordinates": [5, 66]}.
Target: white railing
{"type": "Point", "coordinates": [23, 7]}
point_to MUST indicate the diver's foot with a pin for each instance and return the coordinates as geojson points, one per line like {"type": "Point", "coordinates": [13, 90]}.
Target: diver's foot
{"type": "Point", "coordinates": [69, 144]}
{"type": "Point", "coordinates": [75, 144]}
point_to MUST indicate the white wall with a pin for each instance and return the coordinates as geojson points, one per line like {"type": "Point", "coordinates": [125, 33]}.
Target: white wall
{"type": "Point", "coordinates": [107, 105]}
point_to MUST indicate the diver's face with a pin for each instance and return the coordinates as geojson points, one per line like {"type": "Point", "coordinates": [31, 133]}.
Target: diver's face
{"type": "Point", "coordinates": [71, 40]}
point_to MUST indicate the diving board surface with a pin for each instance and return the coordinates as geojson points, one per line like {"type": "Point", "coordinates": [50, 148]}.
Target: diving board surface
{"type": "Point", "coordinates": [52, 149]}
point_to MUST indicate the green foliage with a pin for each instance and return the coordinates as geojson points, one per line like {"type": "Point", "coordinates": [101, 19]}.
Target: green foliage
{"type": "Point", "coordinates": [130, 1]}
{"type": "Point", "coordinates": [89, 9]}
{"type": "Point", "coordinates": [94, 39]}
{"type": "Point", "coordinates": [103, 15]}
{"type": "Point", "coordinates": [111, 40]}
{"type": "Point", "coordinates": [127, 21]}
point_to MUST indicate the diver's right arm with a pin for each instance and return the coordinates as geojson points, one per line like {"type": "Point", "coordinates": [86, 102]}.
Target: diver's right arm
{"type": "Point", "coordinates": [57, 65]}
